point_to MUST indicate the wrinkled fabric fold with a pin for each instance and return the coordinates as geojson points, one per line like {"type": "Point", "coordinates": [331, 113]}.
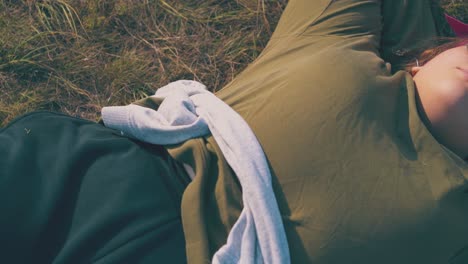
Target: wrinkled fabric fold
{"type": "Point", "coordinates": [188, 111]}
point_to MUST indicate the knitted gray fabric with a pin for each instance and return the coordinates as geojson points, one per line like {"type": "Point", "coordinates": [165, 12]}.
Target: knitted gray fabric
{"type": "Point", "coordinates": [188, 111]}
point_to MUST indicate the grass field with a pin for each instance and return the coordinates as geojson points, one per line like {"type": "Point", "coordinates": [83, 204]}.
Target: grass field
{"type": "Point", "coordinates": [76, 56]}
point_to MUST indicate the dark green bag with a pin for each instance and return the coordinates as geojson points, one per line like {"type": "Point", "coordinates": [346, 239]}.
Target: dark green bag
{"type": "Point", "coordinates": [74, 191]}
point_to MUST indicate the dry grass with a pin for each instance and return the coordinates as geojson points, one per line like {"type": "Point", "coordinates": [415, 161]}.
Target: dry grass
{"type": "Point", "coordinates": [457, 8]}
{"type": "Point", "coordinates": [77, 56]}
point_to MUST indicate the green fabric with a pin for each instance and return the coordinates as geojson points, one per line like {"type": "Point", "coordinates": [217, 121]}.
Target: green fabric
{"type": "Point", "coordinates": [407, 24]}
{"type": "Point", "coordinates": [215, 189]}
{"type": "Point", "coordinates": [358, 177]}
{"type": "Point", "coordinates": [73, 191]}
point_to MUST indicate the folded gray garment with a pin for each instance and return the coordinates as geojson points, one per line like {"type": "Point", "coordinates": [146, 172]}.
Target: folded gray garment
{"type": "Point", "coordinates": [187, 111]}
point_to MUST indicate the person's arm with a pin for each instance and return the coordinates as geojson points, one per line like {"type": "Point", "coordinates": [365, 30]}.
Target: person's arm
{"type": "Point", "coordinates": [406, 24]}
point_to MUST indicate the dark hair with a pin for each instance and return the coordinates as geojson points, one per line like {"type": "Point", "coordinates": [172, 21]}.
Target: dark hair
{"type": "Point", "coordinates": [430, 49]}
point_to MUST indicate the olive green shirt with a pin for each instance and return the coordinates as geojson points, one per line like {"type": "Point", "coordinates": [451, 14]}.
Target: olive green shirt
{"type": "Point", "coordinates": [358, 176]}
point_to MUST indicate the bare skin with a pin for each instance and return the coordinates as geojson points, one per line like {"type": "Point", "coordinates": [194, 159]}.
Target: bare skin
{"type": "Point", "coordinates": [442, 85]}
